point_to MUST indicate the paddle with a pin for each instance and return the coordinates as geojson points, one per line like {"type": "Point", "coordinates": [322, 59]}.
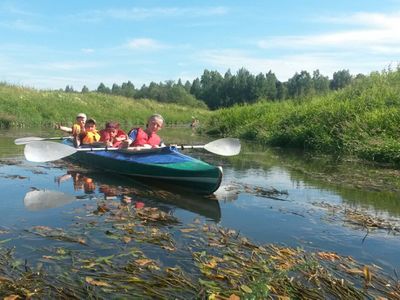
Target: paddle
{"type": "Point", "coordinates": [49, 151]}
{"type": "Point", "coordinates": [30, 139]}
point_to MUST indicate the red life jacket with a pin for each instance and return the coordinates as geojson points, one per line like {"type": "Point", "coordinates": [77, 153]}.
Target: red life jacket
{"type": "Point", "coordinates": [141, 138]}
{"type": "Point", "coordinates": [106, 137]}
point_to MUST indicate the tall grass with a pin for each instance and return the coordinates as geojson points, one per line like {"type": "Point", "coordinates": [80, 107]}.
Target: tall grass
{"type": "Point", "coordinates": [362, 120]}
{"type": "Point", "coordinates": [25, 107]}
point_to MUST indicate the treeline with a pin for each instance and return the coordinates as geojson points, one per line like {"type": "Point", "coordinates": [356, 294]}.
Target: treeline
{"type": "Point", "coordinates": [217, 91]}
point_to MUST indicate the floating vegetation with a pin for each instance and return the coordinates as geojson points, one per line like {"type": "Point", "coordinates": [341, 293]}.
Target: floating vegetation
{"type": "Point", "coordinates": [360, 219]}
{"type": "Point", "coordinates": [10, 162]}
{"type": "Point", "coordinates": [229, 192]}
{"type": "Point", "coordinates": [114, 249]}
{"type": "Point", "coordinates": [15, 177]}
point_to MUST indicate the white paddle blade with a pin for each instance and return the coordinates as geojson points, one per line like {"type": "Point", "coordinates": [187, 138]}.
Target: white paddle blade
{"type": "Point", "coordinates": [26, 140]}
{"type": "Point", "coordinates": [47, 151]}
{"type": "Point", "coordinates": [38, 200]}
{"type": "Point", "coordinates": [225, 146]}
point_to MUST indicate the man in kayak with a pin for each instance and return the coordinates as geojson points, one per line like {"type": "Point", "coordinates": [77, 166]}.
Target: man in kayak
{"type": "Point", "coordinates": [148, 138]}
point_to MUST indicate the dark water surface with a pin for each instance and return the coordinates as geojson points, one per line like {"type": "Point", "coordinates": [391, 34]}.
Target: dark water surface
{"type": "Point", "coordinates": [266, 195]}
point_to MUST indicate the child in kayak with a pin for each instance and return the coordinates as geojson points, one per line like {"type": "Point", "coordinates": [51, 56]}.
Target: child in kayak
{"type": "Point", "coordinates": [148, 138]}
{"type": "Point", "coordinates": [77, 127]}
{"type": "Point", "coordinates": [90, 135]}
{"type": "Point", "coordinates": [112, 135]}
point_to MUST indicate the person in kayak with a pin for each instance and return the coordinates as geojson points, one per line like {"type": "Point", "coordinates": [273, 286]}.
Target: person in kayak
{"type": "Point", "coordinates": [112, 135]}
{"type": "Point", "coordinates": [77, 127]}
{"type": "Point", "coordinates": [90, 135]}
{"type": "Point", "coordinates": [148, 138]}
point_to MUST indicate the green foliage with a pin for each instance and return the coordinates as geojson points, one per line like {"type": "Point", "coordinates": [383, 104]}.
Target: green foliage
{"type": "Point", "coordinates": [169, 93]}
{"type": "Point", "coordinates": [22, 107]}
{"type": "Point", "coordinates": [363, 119]}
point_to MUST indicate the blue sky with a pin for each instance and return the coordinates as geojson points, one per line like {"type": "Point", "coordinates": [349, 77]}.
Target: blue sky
{"type": "Point", "coordinates": [51, 44]}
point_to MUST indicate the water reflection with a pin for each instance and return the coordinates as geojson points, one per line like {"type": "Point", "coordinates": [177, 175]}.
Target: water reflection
{"type": "Point", "coordinates": [354, 183]}
{"type": "Point", "coordinates": [80, 181]}
{"type": "Point", "coordinates": [45, 199]}
{"type": "Point", "coordinates": [130, 191]}
{"type": "Point", "coordinates": [246, 197]}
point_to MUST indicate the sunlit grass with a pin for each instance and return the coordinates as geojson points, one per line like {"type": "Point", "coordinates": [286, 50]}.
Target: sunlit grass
{"type": "Point", "coordinates": [361, 120]}
{"type": "Point", "coordinates": [25, 107]}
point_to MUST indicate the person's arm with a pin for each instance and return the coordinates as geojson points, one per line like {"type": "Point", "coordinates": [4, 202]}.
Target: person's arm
{"type": "Point", "coordinates": [64, 128]}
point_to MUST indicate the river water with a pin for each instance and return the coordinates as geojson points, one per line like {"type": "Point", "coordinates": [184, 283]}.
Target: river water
{"type": "Point", "coordinates": [267, 195]}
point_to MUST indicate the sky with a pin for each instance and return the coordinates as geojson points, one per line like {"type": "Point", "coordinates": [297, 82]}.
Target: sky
{"type": "Point", "coordinates": [48, 44]}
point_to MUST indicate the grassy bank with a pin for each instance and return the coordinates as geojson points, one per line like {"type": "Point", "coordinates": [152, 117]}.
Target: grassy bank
{"type": "Point", "coordinates": [24, 107]}
{"type": "Point", "coordinates": [361, 120]}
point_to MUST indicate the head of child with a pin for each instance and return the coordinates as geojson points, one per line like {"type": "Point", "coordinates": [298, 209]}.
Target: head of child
{"type": "Point", "coordinates": [112, 128]}
{"type": "Point", "coordinates": [154, 123]}
{"type": "Point", "coordinates": [81, 118]}
{"type": "Point", "coordinates": [90, 125]}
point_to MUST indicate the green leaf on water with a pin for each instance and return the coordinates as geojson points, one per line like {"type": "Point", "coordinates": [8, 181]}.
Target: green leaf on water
{"type": "Point", "coordinates": [246, 289]}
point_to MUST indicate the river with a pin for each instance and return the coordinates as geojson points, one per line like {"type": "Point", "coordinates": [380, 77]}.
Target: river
{"type": "Point", "coordinates": [268, 195]}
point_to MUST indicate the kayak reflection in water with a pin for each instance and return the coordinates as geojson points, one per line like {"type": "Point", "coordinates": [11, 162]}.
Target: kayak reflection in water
{"type": "Point", "coordinates": [80, 182]}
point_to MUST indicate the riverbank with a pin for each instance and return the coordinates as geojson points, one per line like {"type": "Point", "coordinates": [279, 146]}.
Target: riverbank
{"type": "Point", "coordinates": [362, 120]}
{"type": "Point", "coordinates": [25, 107]}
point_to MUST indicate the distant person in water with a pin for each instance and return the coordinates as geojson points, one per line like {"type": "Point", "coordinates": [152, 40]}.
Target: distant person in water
{"type": "Point", "coordinates": [112, 135]}
{"type": "Point", "coordinates": [194, 124]}
{"type": "Point", "coordinates": [148, 138]}
{"type": "Point", "coordinates": [78, 127]}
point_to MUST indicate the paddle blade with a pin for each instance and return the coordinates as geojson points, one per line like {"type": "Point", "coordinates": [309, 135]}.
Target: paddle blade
{"type": "Point", "coordinates": [47, 151]}
{"type": "Point", "coordinates": [38, 200]}
{"type": "Point", "coordinates": [26, 140]}
{"type": "Point", "coordinates": [225, 146]}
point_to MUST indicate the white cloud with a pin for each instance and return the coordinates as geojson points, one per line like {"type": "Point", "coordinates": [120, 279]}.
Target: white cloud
{"type": "Point", "coordinates": [374, 33]}
{"type": "Point", "coordinates": [23, 25]}
{"type": "Point", "coordinates": [87, 50]}
{"type": "Point", "coordinates": [390, 20]}
{"type": "Point", "coordinates": [70, 65]}
{"type": "Point", "coordinates": [145, 44]}
{"type": "Point", "coordinates": [285, 66]}
{"type": "Point", "coordinates": [138, 13]}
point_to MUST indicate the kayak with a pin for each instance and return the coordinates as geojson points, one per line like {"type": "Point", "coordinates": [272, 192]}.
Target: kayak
{"type": "Point", "coordinates": [162, 165]}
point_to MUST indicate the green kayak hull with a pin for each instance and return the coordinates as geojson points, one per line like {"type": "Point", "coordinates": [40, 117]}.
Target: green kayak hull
{"type": "Point", "coordinates": [165, 165]}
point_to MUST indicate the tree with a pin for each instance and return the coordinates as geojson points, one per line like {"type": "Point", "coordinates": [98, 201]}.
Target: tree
{"type": "Point", "coordinates": [211, 88]}
{"type": "Point", "coordinates": [187, 86]}
{"type": "Point", "coordinates": [103, 89]}
{"type": "Point", "coordinates": [244, 87]}
{"type": "Point", "coordinates": [116, 89]}
{"type": "Point", "coordinates": [340, 79]}
{"type": "Point", "coordinates": [300, 85]}
{"type": "Point", "coordinates": [320, 82]}
{"type": "Point", "coordinates": [69, 89]}
{"type": "Point", "coordinates": [195, 90]}
{"type": "Point", "coordinates": [271, 90]}
{"type": "Point", "coordinates": [281, 90]}
{"type": "Point", "coordinates": [85, 89]}
{"type": "Point", "coordinates": [128, 89]}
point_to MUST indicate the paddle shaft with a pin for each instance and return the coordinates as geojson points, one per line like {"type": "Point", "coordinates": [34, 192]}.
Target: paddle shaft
{"type": "Point", "coordinates": [26, 140]}
{"type": "Point", "coordinates": [42, 151]}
